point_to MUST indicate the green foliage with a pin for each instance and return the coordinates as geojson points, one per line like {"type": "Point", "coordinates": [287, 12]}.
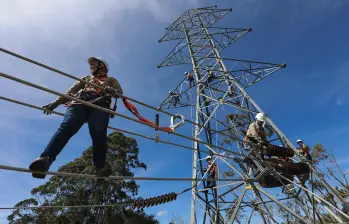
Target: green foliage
{"type": "Point", "coordinates": [123, 158]}
{"type": "Point", "coordinates": [177, 219]}
{"type": "Point", "coordinates": [319, 153]}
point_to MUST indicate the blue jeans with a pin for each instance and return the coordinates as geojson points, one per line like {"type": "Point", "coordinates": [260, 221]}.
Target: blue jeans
{"type": "Point", "coordinates": [211, 179]}
{"type": "Point", "coordinates": [74, 118]}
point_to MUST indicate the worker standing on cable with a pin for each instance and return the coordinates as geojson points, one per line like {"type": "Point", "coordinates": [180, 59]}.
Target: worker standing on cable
{"type": "Point", "coordinates": [305, 150]}
{"type": "Point", "coordinates": [77, 114]}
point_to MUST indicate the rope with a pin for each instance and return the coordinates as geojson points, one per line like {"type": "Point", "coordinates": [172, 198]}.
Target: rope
{"type": "Point", "coordinates": [115, 129]}
{"type": "Point", "coordinates": [87, 176]}
{"type": "Point", "coordinates": [110, 111]}
{"type": "Point", "coordinates": [92, 84]}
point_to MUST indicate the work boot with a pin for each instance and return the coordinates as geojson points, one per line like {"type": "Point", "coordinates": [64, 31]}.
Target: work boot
{"type": "Point", "coordinates": [106, 171]}
{"type": "Point", "coordinates": [41, 164]}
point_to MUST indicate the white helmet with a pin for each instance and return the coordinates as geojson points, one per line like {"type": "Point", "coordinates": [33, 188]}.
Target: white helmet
{"type": "Point", "coordinates": [99, 59]}
{"type": "Point", "coordinates": [186, 73]}
{"type": "Point", "coordinates": [299, 140]}
{"type": "Point", "coordinates": [261, 117]}
{"type": "Point", "coordinates": [208, 157]}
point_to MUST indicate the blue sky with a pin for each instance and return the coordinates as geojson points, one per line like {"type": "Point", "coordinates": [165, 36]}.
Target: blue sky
{"type": "Point", "coordinates": [306, 100]}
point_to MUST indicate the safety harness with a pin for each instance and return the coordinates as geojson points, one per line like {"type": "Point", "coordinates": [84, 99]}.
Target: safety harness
{"type": "Point", "coordinates": [93, 94]}
{"type": "Point", "coordinates": [134, 110]}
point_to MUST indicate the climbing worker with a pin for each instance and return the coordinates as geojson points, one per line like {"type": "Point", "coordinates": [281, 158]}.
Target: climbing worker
{"type": "Point", "coordinates": [255, 131]}
{"type": "Point", "coordinates": [190, 78]}
{"type": "Point", "coordinates": [174, 97]}
{"type": "Point", "coordinates": [77, 114]}
{"type": "Point", "coordinates": [211, 172]}
{"type": "Point", "coordinates": [256, 134]}
{"type": "Point", "coordinates": [210, 76]}
{"type": "Point", "coordinates": [305, 150]}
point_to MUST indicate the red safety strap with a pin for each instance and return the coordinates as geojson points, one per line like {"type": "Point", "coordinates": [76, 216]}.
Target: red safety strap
{"type": "Point", "coordinates": [214, 169]}
{"type": "Point", "coordinates": [134, 110]}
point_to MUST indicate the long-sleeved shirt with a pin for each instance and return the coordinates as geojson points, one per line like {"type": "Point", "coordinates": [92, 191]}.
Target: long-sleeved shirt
{"type": "Point", "coordinates": [256, 131]}
{"type": "Point", "coordinates": [80, 86]}
{"type": "Point", "coordinates": [305, 149]}
{"type": "Point", "coordinates": [212, 167]}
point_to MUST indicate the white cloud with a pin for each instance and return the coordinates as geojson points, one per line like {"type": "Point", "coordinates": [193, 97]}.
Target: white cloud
{"type": "Point", "coordinates": [63, 33]}
{"type": "Point", "coordinates": [82, 16]}
{"type": "Point", "coordinates": [161, 213]}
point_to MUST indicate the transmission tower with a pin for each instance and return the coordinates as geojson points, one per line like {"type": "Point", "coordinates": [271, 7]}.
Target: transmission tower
{"type": "Point", "coordinates": [224, 110]}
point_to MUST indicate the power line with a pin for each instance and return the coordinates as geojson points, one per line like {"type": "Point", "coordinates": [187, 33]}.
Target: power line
{"type": "Point", "coordinates": [92, 84]}
{"type": "Point", "coordinates": [65, 206]}
{"type": "Point", "coordinates": [110, 111]}
{"type": "Point", "coordinates": [135, 203]}
{"type": "Point", "coordinates": [88, 176]}
{"type": "Point", "coordinates": [115, 129]}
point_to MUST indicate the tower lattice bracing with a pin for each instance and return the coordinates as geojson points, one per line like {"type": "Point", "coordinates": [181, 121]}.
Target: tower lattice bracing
{"type": "Point", "coordinates": [218, 95]}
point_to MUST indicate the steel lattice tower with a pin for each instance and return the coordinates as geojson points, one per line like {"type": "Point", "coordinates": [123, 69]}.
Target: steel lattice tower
{"type": "Point", "coordinates": [224, 110]}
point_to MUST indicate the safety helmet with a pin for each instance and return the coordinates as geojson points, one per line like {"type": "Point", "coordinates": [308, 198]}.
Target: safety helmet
{"type": "Point", "coordinates": [299, 140]}
{"type": "Point", "coordinates": [186, 73]}
{"type": "Point", "coordinates": [101, 60]}
{"type": "Point", "coordinates": [261, 117]}
{"type": "Point", "coordinates": [208, 157]}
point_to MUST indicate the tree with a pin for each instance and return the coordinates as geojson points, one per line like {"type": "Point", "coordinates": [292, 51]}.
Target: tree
{"type": "Point", "coordinates": [123, 158]}
{"type": "Point", "coordinates": [177, 219]}
{"type": "Point", "coordinates": [319, 154]}
{"type": "Point", "coordinates": [327, 168]}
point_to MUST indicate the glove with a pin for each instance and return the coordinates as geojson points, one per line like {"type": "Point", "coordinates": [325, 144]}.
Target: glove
{"type": "Point", "coordinates": [110, 90]}
{"type": "Point", "coordinates": [50, 106]}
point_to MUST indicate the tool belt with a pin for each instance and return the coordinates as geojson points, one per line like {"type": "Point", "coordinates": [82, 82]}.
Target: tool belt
{"type": "Point", "coordinates": [98, 99]}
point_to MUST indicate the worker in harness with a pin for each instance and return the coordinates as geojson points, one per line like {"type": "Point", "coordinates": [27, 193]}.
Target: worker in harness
{"type": "Point", "coordinates": [190, 78]}
{"type": "Point", "coordinates": [211, 172]}
{"type": "Point", "coordinates": [174, 98]}
{"type": "Point", "coordinates": [305, 150]}
{"type": "Point", "coordinates": [210, 77]}
{"type": "Point", "coordinates": [256, 134]}
{"type": "Point", "coordinates": [77, 114]}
